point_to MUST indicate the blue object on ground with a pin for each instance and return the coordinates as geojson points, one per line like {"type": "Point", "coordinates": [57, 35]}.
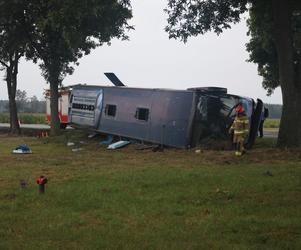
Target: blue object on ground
{"type": "Point", "coordinates": [118, 144]}
{"type": "Point", "coordinates": [22, 149]}
{"type": "Point", "coordinates": [108, 141]}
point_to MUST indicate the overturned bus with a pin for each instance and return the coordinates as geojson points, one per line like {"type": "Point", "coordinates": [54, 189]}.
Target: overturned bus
{"type": "Point", "coordinates": [177, 118]}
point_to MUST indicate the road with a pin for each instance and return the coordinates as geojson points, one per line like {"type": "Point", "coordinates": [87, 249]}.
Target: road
{"type": "Point", "coordinates": [270, 132]}
{"type": "Point", "coordinates": [29, 126]}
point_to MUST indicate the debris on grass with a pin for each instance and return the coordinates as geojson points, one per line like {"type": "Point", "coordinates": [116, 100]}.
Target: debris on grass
{"type": "Point", "coordinates": [108, 141]}
{"type": "Point", "coordinates": [221, 191]}
{"type": "Point", "coordinates": [92, 135]}
{"type": "Point", "coordinates": [146, 147]}
{"type": "Point", "coordinates": [158, 148]}
{"type": "Point", "coordinates": [23, 184]}
{"type": "Point", "coordinates": [77, 149]}
{"type": "Point", "coordinates": [268, 173]}
{"type": "Point", "coordinates": [22, 149]}
{"type": "Point", "coordinates": [118, 144]}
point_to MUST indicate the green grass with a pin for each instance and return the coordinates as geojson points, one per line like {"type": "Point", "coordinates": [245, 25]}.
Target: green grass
{"type": "Point", "coordinates": [130, 199]}
{"type": "Point", "coordinates": [271, 123]}
{"type": "Point", "coordinates": [26, 118]}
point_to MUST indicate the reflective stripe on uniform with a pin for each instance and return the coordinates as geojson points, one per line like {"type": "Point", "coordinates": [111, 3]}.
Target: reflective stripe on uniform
{"type": "Point", "coordinates": [239, 132]}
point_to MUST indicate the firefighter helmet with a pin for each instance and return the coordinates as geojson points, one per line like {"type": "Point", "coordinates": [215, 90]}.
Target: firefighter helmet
{"type": "Point", "coordinates": [239, 109]}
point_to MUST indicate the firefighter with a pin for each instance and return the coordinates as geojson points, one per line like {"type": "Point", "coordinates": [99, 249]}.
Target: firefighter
{"type": "Point", "coordinates": [240, 129]}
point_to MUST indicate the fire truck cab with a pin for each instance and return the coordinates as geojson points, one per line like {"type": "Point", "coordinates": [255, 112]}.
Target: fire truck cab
{"type": "Point", "coordinates": [63, 106]}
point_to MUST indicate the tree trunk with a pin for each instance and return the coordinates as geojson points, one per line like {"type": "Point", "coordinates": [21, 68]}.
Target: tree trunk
{"type": "Point", "coordinates": [11, 81]}
{"type": "Point", "coordinates": [54, 98]}
{"type": "Point", "coordinates": [13, 114]}
{"type": "Point", "coordinates": [290, 125]}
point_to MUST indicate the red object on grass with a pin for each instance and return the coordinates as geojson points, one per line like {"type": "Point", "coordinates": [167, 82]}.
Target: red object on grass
{"type": "Point", "coordinates": [42, 180]}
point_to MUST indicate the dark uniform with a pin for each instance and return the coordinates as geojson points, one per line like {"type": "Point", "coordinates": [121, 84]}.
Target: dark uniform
{"type": "Point", "coordinates": [264, 115]}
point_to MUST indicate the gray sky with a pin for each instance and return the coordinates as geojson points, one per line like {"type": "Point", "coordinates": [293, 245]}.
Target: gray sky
{"type": "Point", "coordinates": [150, 59]}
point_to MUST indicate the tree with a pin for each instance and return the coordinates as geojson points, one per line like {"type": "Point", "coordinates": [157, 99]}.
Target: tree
{"type": "Point", "coordinates": [64, 31]}
{"type": "Point", "coordinates": [12, 48]}
{"type": "Point", "coordinates": [275, 45]}
{"type": "Point", "coordinates": [35, 104]}
{"type": "Point", "coordinates": [21, 95]}
{"type": "Point", "coordinates": [261, 45]}
{"type": "Point", "coordinates": [21, 100]}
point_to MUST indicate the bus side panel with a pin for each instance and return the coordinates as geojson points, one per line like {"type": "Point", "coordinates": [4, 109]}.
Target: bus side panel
{"type": "Point", "coordinates": [124, 122]}
{"type": "Point", "coordinates": [168, 119]}
{"type": "Point", "coordinates": [171, 112]}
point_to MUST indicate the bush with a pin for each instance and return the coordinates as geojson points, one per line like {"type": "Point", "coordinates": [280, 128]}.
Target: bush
{"type": "Point", "coordinates": [4, 118]}
{"type": "Point", "coordinates": [272, 123]}
{"type": "Point", "coordinates": [26, 118]}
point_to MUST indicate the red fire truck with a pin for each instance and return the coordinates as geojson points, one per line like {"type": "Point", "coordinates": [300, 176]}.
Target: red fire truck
{"type": "Point", "coordinates": [63, 105]}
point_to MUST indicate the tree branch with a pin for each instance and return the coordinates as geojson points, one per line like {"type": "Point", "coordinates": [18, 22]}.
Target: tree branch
{"type": "Point", "coordinates": [4, 64]}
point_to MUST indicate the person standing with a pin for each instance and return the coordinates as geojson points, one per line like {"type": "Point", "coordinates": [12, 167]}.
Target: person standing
{"type": "Point", "coordinates": [264, 115]}
{"type": "Point", "coordinates": [240, 129]}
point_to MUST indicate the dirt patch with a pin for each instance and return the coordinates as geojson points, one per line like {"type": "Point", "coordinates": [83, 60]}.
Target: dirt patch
{"type": "Point", "coordinates": [24, 132]}
{"type": "Point", "coordinates": [9, 197]}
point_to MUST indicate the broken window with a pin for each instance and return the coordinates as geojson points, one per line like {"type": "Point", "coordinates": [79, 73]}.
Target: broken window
{"type": "Point", "coordinates": [142, 114]}
{"type": "Point", "coordinates": [228, 107]}
{"type": "Point", "coordinates": [202, 108]}
{"type": "Point", "coordinates": [71, 98]}
{"type": "Point", "coordinates": [110, 110]}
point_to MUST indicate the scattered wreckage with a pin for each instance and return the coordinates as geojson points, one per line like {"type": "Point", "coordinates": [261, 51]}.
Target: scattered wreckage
{"type": "Point", "coordinates": [176, 118]}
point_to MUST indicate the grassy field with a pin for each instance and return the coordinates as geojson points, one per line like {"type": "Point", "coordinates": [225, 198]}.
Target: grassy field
{"type": "Point", "coordinates": [271, 123]}
{"type": "Point", "coordinates": [133, 199]}
{"type": "Point", "coordinates": [26, 118]}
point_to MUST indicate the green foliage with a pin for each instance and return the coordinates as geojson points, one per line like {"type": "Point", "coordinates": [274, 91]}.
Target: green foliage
{"type": "Point", "coordinates": [64, 31]}
{"type": "Point", "coordinates": [25, 118]}
{"type": "Point", "coordinates": [129, 199]}
{"type": "Point", "coordinates": [262, 47]}
{"type": "Point", "coordinates": [12, 32]}
{"type": "Point", "coordinates": [191, 18]}
{"type": "Point", "coordinates": [61, 32]}
{"type": "Point", "coordinates": [4, 117]}
{"type": "Point", "coordinates": [21, 95]}
{"type": "Point", "coordinates": [32, 118]}
{"type": "Point", "coordinates": [272, 123]}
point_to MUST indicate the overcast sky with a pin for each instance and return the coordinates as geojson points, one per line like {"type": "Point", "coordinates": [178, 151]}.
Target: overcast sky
{"type": "Point", "coordinates": [149, 59]}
